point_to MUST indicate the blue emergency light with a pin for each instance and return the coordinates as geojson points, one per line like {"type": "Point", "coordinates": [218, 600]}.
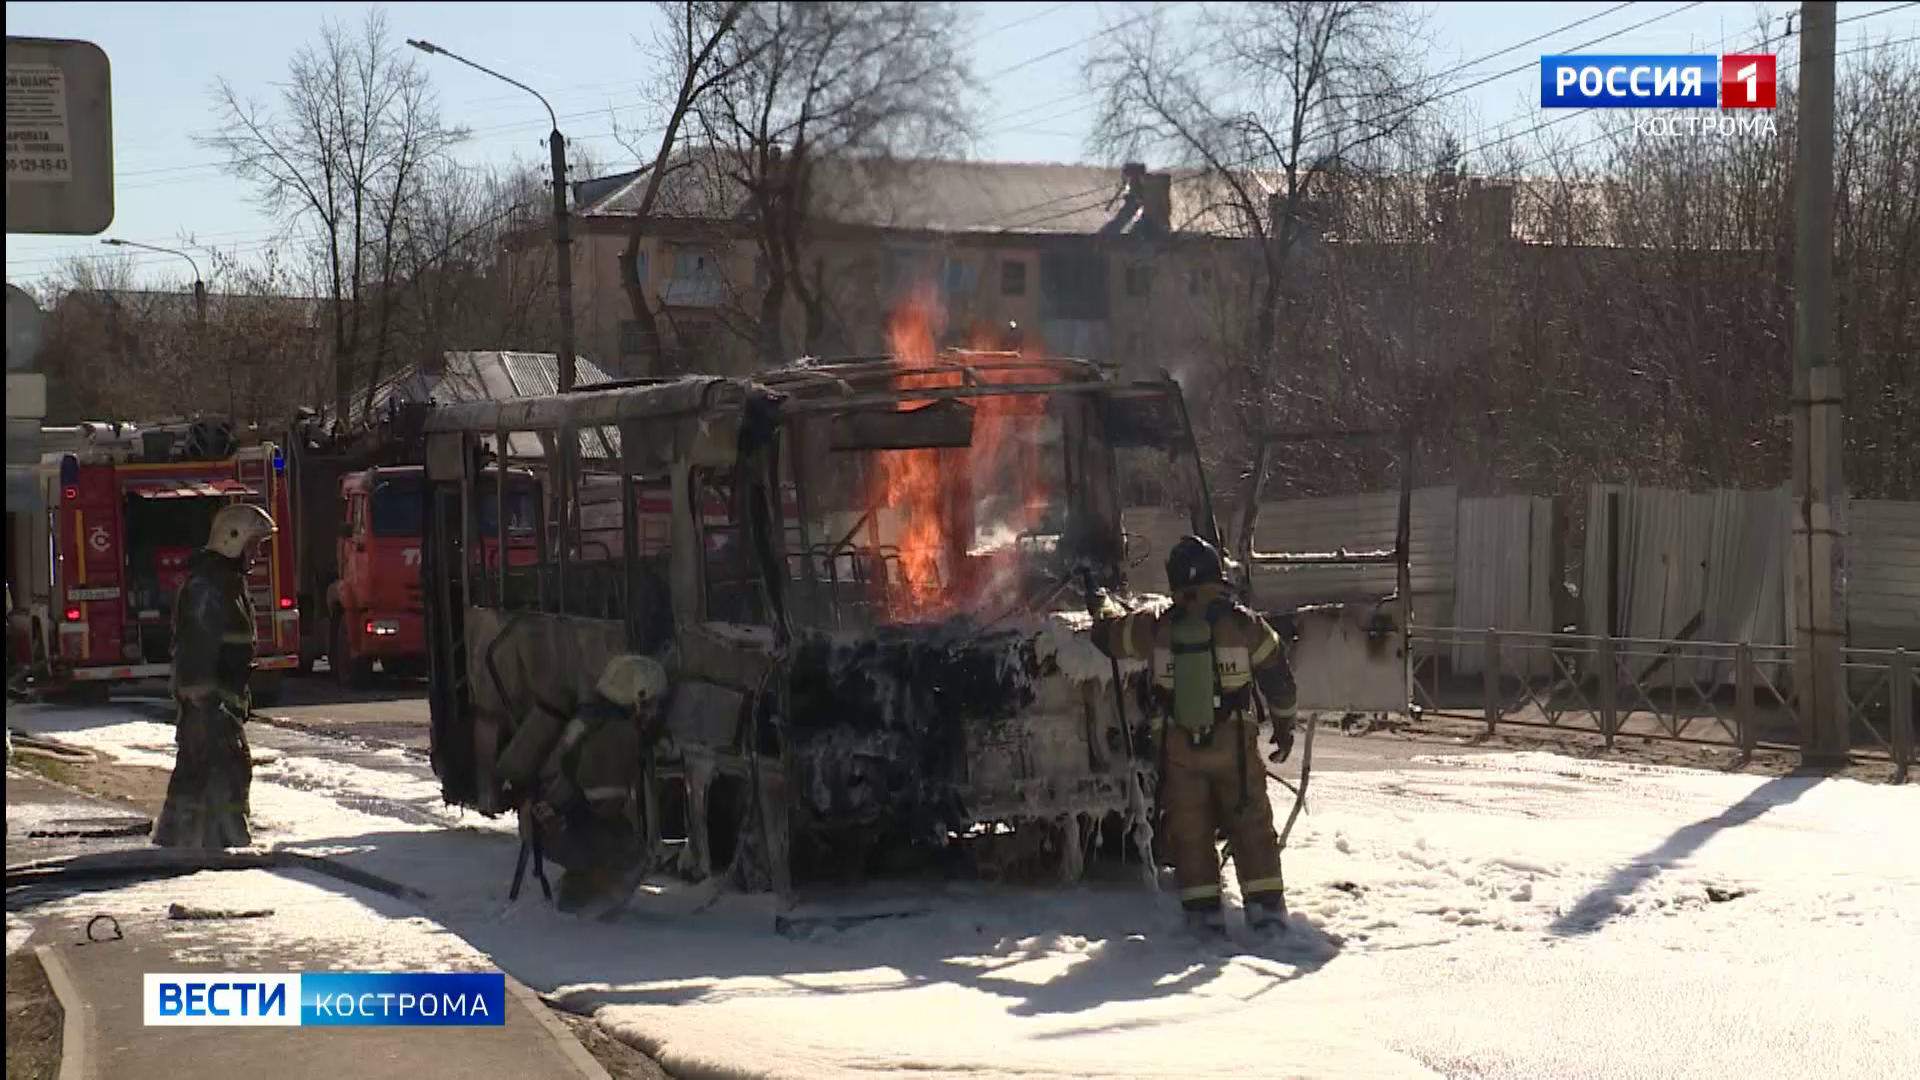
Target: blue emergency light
{"type": "Point", "coordinates": [69, 476]}
{"type": "Point", "coordinates": [279, 460]}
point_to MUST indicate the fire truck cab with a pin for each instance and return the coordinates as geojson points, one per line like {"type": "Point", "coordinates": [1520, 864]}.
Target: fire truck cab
{"type": "Point", "coordinates": [126, 508]}
{"type": "Point", "coordinates": [374, 607]}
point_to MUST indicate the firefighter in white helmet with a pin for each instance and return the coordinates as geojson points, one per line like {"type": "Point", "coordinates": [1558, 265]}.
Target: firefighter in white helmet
{"type": "Point", "coordinates": [583, 811]}
{"type": "Point", "coordinates": [213, 639]}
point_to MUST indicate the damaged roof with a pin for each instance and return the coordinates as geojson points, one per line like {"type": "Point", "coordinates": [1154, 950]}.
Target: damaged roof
{"type": "Point", "coordinates": [467, 377]}
{"type": "Point", "coordinates": [921, 195]}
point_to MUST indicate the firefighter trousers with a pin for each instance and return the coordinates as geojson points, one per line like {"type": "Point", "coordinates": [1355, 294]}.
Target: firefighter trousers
{"type": "Point", "coordinates": [207, 794]}
{"type": "Point", "coordinates": [1202, 797]}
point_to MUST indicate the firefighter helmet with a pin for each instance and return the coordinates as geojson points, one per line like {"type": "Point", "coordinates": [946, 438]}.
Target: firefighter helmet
{"type": "Point", "coordinates": [1194, 562]}
{"type": "Point", "coordinates": [632, 680]}
{"type": "Point", "coordinates": [237, 527]}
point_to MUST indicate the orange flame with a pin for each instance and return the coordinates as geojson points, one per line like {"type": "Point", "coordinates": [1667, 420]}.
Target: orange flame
{"type": "Point", "coordinates": [941, 494]}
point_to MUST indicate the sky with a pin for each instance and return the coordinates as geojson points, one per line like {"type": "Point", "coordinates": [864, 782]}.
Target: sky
{"type": "Point", "coordinates": [592, 60]}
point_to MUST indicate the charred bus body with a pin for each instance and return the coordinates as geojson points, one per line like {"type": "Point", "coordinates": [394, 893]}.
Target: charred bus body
{"type": "Point", "coordinates": [865, 580]}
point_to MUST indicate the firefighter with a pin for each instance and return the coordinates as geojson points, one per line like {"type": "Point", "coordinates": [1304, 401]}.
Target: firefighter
{"type": "Point", "coordinates": [1211, 656]}
{"type": "Point", "coordinates": [583, 813]}
{"type": "Point", "coordinates": [213, 639]}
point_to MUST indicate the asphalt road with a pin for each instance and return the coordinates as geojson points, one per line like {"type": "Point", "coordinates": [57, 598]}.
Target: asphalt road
{"type": "Point", "coordinates": [394, 712]}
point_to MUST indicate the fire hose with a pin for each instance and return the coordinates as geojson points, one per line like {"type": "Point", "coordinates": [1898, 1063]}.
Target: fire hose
{"type": "Point", "coordinates": [1299, 795]}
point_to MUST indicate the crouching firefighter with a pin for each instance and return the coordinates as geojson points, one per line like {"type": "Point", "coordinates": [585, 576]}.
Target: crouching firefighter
{"type": "Point", "coordinates": [213, 643]}
{"type": "Point", "coordinates": [578, 780]}
{"type": "Point", "coordinates": [1213, 660]}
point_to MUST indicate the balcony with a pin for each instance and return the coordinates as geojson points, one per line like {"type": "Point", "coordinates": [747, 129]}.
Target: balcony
{"type": "Point", "coordinates": [700, 293]}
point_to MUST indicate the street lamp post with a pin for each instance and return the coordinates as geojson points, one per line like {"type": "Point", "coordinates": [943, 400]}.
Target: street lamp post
{"type": "Point", "coordinates": [557, 145]}
{"type": "Point", "coordinates": [199, 286]}
{"type": "Point", "coordinates": [569, 447]}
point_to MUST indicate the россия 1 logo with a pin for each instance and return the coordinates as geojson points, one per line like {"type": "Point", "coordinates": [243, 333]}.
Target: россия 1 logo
{"type": "Point", "coordinates": [1735, 81]}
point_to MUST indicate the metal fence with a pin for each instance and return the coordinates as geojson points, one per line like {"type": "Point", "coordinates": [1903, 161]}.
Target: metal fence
{"type": "Point", "coordinates": [1733, 695]}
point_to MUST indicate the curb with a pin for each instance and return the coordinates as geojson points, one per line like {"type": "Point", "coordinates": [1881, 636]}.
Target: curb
{"type": "Point", "coordinates": [570, 1047]}
{"type": "Point", "coordinates": [76, 1025]}
{"type": "Point", "coordinates": [168, 862]}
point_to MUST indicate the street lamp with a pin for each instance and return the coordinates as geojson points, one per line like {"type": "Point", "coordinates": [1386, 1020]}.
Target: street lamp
{"type": "Point", "coordinates": [199, 287]}
{"type": "Point", "coordinates": [557, 144]}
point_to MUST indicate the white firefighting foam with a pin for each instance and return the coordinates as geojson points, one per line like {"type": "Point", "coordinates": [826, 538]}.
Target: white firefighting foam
{"type": "Point", "coordinates": [1495, 916]}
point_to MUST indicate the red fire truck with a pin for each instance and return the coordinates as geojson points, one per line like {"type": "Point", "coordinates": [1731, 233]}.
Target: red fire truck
{"type": "Point", "coordinates": [126, 507]}
{"type": "Point", "coordinates": [359, 508]}
{"type": "Point", "coordinates": [373, 604]}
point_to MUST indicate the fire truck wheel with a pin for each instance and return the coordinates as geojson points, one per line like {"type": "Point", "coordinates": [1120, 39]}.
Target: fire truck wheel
{"type": "Point", "coordinates": [266, 688]}
{"type": "Point", "coordinates": [350, 671]}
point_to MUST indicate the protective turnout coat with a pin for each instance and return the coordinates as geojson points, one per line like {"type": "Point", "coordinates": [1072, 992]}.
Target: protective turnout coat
{"type": "Point", "coordinates": [1210, 656]}
{"type": "Point", "coordinates": [213, 644]}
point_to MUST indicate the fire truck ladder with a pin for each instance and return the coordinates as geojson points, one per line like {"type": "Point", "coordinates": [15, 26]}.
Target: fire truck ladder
{"type": "Point", "coordinates": [252, 469]}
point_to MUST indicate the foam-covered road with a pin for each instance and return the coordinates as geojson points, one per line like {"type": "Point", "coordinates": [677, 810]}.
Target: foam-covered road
{"type": "Point", "coordinates": [1456, 914]}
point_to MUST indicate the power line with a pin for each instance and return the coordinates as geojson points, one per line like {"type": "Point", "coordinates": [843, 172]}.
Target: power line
{"type": "Point", "coordinates": [1070, 46]}
{"type": "Point", "coordinates": [1871, 14]}
{"type": "Point", "coordinates": [1414, 106]}
{"type": "Point", "coordinates": [1106, 189]}
{"type": "Point", "coordinates": [1604, 136]}
{"type": "Point", "coordinates": [1017, 23]}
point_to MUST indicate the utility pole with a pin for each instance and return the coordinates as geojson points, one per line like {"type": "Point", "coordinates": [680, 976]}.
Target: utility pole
{"type": "Point", "coordinates": [562, 241]}
{"type": "Point", "coordinates": [562, 250]}
{"type": "Point", "coordinates": [1819, 493]}
{"type": "Point", "coordinates": [568, 450]}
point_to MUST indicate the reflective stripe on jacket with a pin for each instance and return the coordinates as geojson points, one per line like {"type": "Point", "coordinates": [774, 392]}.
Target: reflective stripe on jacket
{"type": "Point", "coordinates": [1244, 647]}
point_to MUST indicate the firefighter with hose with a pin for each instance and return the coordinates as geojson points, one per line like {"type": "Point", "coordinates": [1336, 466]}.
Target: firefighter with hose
{"type": "Point", "coordinates": [1212, 660]}
{"type": "Point", "coordinates": [213, 640]}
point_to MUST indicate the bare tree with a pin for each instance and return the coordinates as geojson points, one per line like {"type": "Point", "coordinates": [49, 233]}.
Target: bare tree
{"type": "Point", "coordinates": [847, 85]}
{"type": "Point", "coordinates": [698, 49]}
{"type": "Point", "coordinates": [124, 353]}
{"type": "Point", "coordinates": [1263, 101]}
{"type": "Point", "coordinates": [458, 291]}
{"type": "Point", "coordinates": [346, 153]}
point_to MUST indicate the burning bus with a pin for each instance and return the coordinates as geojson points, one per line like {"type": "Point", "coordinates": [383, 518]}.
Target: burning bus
{"type": "Point", "coordinates": [866, 580]}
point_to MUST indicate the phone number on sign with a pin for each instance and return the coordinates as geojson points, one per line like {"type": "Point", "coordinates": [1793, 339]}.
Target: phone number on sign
{"type": "Point", "coordinates": [51, 165]}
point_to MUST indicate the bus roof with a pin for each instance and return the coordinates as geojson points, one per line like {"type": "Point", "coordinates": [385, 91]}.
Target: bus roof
{"type": "Point", "coordinates": [805, 387]}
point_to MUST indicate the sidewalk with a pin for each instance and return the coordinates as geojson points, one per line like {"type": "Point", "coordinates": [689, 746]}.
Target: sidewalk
{"type": "Point", "coordinates": [316, 924]}
{"type": "Point", "coordinates": [105, 978]}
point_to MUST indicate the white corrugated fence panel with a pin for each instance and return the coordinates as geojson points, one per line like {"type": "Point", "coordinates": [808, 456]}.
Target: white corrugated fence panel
{"type": "Point", "coordinates": [1718, 557]}
{"type": "Point", "coordinates": [1504, 577]}
{"type": "Point", "coordinates": [1359, 522]}
{"type": "Point", "coordinates": [1353, 522]}
{"type": "Point", "coordinates": [1883, 574]}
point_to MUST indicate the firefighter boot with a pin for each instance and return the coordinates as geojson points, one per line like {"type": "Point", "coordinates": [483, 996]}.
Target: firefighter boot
{"type": "Point", "coordinates": [1204, 921]}
{"type": "Point", "coordinates": [1267, 913]}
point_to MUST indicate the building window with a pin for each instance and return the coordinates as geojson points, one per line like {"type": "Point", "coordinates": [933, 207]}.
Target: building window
{"type": "Point", "coordinates": [958, 280]}
{"type": "Point", "coordinates": [633, 272]}
{"type": "Point", "coordinates": [904, 267]}
{"type": "Point", "coordinates": [633, 338]}
{"type": "Point", "coordinates": [694, 336]}
{"type": "Point", "coordinates": [695, 265]}
{"type": "Point", "coordinates": [1013, 278]}
{"type": "Point", "coordinates": [1139, 279]}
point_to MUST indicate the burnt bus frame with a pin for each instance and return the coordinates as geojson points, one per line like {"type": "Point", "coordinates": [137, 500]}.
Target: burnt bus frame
{"type": "Point", "coordinates": [683, 425]}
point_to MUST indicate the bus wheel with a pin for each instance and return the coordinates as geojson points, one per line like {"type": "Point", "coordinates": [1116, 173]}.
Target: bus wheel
{"type": "Point", "coordinates": [350, 671]}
